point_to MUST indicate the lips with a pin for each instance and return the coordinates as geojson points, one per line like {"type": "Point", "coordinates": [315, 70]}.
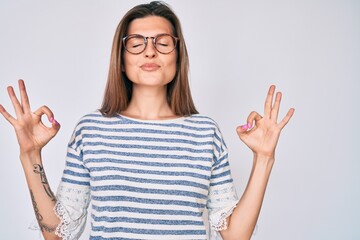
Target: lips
{"type": "Point", "coordinates": [149, 67]}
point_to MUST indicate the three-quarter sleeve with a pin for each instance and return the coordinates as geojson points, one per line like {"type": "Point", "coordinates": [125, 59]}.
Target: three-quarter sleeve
{"type": "Point", "coordinates": [73, 194]}
{"type": "Point", "coordinates": [222, 197]}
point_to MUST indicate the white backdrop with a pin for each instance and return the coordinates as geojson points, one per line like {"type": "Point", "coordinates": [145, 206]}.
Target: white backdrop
{"type": "Point", "coordinates": [310, 49]}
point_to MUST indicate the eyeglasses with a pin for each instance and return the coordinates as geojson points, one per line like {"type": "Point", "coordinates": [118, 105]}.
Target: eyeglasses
{"type": "Point", "coordinates": [136, 43]}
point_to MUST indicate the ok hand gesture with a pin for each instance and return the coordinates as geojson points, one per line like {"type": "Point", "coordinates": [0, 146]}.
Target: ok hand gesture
{"type": "Point", "coordinates": [261, 134]}
{"type": "Point", "coordinates": [32, 134]}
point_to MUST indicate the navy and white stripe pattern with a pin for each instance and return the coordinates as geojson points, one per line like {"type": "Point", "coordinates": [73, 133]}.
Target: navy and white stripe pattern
{"type": "Point", "coordinates": [146, 179]}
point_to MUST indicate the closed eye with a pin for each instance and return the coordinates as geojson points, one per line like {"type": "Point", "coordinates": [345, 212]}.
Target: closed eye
{"type": "Point", "coordinates": [136, 45]}
{"type": "Point", "coordinates": [163, 44]}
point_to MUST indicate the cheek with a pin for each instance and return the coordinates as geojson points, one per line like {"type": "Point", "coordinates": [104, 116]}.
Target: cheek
{"type": "Point", "coordinates": [172, 67]}
{"type": "Point", "coordinates": [128, 66]}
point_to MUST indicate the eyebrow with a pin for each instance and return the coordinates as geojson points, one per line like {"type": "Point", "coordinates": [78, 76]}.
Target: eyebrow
{"type": "Point", "coordinates": [149, 36]}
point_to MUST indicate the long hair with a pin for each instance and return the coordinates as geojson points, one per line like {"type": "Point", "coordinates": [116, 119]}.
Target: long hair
{"type": "Point", "coordinates": [118, 89]}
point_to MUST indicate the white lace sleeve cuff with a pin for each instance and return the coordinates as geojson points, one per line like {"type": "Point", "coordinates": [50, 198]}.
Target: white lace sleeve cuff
{"type": "Point", "coordinates": [71, 208]}
{"type": "Point", "coordinates": [68, 229]}
{"type": "Point", "coordinates": [62, 229]}
{"type": "Point", "coordinates": [218, 222]}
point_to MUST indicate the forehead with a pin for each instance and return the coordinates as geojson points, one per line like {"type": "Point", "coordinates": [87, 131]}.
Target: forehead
{"type": "Point", "coordinates": [149, 26]}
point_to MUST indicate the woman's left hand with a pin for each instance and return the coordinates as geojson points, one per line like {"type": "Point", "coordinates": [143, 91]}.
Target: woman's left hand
{"type": "Point", "coordinates": [261, 134]}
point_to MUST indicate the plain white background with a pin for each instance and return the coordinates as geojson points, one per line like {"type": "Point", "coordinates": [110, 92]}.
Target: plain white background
{"type": "Point", "coordinates": [309, 49]}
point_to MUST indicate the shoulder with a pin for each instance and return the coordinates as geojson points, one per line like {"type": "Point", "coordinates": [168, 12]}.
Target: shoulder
{"type": "Point", "coordinates": [203, 120]}
{"type": "Point", "coordinates": [96, 114]}
{"type": "Point", "coordinates": [94, 118]}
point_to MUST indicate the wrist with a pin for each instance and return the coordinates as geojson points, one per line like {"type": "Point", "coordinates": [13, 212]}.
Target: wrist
{"type": "Point", "coordinates": [261, 158]}
{"type": "Point", "coordinates": [262, 165]}
{"type": "Point", "coordinates": [29, 158]}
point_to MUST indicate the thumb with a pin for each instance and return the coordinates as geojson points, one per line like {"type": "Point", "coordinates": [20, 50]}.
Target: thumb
{"type": "Point", "coordinates": [55, 126]}
{"type": "Point", "coordinates": [243, 129]}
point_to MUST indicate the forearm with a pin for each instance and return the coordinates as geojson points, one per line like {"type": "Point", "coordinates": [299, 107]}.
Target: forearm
{"type": "Point", "coordinates": [243, 220]}
{"type": "Point", "coordinates": [42, 197]}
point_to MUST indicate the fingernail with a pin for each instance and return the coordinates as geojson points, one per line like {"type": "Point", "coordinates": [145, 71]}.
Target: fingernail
{"type": "Point", "coordinates": [249, 125]}
{"type": "Point", "coordinates": [57, 123]}
{"type": "Point", "coordinates": [51, 119]}
{"type": "Point", "coordinates": [244, 127]}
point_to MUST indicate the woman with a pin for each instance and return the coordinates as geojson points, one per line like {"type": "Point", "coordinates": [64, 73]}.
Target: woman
{"type": "Point", "coordinates": [147, 160]}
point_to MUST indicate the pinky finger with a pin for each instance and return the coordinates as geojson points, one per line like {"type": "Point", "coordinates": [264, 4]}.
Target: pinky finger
{"type": "Point", "coordinates": [287, 118]}
{"type": "Point", "coordinates": [7, 115]}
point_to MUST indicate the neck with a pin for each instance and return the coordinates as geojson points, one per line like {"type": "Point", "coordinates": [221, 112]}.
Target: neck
{"type": "Point", "coordinates": [149, 104]}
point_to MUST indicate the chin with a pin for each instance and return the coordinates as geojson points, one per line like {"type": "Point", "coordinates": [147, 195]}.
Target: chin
{"type": "Point", "coordinates": [150, 83]}
{"type": "Point", "coordinates": [153, 81]}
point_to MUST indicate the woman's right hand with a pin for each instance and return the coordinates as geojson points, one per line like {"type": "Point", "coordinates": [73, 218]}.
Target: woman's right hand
{"type": "Point", "coordinates": [31, 133]}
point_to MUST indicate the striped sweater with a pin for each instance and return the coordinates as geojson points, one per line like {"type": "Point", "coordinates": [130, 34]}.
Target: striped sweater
{"type": "Point", "coordinates": [145, 179]}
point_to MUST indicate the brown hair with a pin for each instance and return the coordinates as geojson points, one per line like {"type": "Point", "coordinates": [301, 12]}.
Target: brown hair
{"type": "Point", "coordinates": [118, 89]}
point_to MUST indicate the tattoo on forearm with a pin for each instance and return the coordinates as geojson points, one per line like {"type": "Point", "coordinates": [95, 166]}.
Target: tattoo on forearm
{"type": "Point", "coordinates": [43, 226]}
{"type": "Point", "coordinates": [38, 169]}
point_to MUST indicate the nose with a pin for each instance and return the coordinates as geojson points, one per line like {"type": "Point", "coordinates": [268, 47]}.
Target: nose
{"type": "Point", "coordinates": [150, 50]}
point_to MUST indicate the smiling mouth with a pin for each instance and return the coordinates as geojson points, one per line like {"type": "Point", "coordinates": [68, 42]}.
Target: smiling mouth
{"type": "Point", "coordinates": [149, 67]}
